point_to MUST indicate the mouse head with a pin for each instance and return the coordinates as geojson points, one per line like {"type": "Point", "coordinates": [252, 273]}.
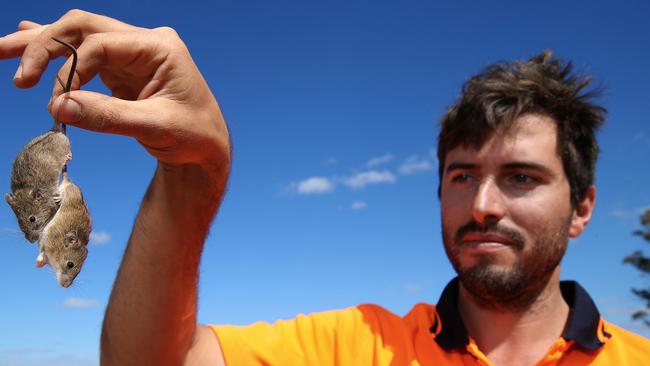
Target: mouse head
{"type": "Point", "coordinates": [66, 255]}
{"type": "Point", "coordinates": [33, 208]}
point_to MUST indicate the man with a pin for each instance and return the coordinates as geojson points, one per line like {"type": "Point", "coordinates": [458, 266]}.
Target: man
{"type": "Point", "coordinates": [517, 155]}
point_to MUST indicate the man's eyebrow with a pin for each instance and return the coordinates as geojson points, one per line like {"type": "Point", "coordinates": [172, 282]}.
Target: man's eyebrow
{"type": "Point", "coordinates": [460, 166]}
{"type": "Point", "coordinates": [508, 166]}
{"type": "Point", "coordinates": [527, 166]}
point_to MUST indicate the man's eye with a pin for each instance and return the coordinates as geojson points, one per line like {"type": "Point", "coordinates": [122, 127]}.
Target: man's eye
{"type": "Point", "coordinates": [461, 178]}
{"type": "Point", "coordinates": [523, 179]}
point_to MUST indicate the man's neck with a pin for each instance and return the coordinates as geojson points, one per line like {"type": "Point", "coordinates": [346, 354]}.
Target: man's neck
{"type": "Point", "coordinates": [516, 338]}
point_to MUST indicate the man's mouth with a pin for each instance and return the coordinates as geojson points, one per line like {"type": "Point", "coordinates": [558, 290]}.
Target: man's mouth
{"type": "Point", "coordinates": [487, 242]}
{"type": "Point", "coordinates": [490, 238]}
{"type": "Point", "coordinates": [476, 237]}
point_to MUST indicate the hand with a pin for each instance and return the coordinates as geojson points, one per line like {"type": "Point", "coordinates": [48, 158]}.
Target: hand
{"type": "Point", "coordinates": [160, 98]}
{"type": "Point", "coordinates": [158, 94]}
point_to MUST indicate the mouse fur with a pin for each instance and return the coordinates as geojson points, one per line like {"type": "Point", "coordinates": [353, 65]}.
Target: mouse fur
{"type": "Point", "coordinates": [64, 241]}
{"type": "Point", "coordinates": [34, 182]}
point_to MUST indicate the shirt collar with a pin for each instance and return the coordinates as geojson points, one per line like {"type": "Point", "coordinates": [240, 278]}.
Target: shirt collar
{"type": "Point", "coordinates": [582, 325]}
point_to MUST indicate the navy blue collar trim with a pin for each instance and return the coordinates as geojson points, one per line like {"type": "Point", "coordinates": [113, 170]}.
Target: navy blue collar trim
{"type": "Point", "coordinates": [582, 325]}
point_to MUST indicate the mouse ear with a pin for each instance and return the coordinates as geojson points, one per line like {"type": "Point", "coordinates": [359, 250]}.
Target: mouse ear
{"type": "Point", "coordinates": [9, 198]}
{"type": "Point", "coordinates": [70, 238]}
{"type": "Point", "coordinates": [36, 193]}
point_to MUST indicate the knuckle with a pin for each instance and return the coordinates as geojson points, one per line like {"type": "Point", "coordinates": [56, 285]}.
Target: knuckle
{"type": "Point", "coordinates": [169, 36]}
{"type": "Point", "coordinates": [23, 24]}
{"type": "Point", "coordinates": [167, 30]}
{"type": "Point", "coordinates": [75, 13]}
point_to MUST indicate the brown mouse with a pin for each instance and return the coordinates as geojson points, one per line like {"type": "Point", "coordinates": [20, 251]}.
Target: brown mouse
{"type": "Point", "coordinates": [35, 179]}
{"type": "Point", "coordinates": [36, 171]}
{"type": "Point", "coordinates": [64, 241]}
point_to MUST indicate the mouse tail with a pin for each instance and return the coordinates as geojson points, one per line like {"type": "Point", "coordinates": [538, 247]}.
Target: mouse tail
{"type": "Point", "coordinates": [58, 126]}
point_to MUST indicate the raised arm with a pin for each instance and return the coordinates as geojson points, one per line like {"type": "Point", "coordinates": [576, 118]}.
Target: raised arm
{"type": "Point", "coordinates": [160, 98]}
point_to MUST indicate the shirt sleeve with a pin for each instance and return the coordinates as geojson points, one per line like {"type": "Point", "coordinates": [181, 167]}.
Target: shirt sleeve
{"type": "Point", "coordinates": [350, 336]}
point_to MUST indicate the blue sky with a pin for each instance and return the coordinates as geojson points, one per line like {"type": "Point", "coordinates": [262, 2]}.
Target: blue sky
{"type": "Point", "coordinates": [333, 108]}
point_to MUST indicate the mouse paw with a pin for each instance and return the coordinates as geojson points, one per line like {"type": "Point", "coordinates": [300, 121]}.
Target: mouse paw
{"type": "Point", "coordinates": [41, 260]}
{"type": "Point", "coordinates": [57, 198]}
{"type": "Point", "coordinates": [68, 156]}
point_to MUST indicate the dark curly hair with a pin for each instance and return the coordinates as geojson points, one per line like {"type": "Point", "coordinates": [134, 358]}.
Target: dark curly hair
{"type": "Point", "coordinates": [502, 92]}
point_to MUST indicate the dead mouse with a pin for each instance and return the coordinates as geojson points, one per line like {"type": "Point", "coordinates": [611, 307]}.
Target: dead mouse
{"type": "Point", "coordinates": [36, 171]}
{"type": "Point", "coordinates": [35, 179]}
{"type": "Point", "coordinates": [64, 241]}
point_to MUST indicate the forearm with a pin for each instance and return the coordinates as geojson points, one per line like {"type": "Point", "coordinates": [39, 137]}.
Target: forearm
{"type": "Point", "coordinates": [151, 315]}
{"type": "Point", "coordinates": [160, 98]}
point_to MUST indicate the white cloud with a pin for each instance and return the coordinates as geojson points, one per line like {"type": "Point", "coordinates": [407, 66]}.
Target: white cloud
{"type": "Point", "coordinates": [370, 177]}
{"type": "Point", "coordinates": [414, 165]}
{"type": "Point", "coordinates": [434, 153]}
{"type": "Point", "coordinates": [642, 137]}
{"type": "Point", "coordinates": [359, 180]}
{"type": "Point", "coordinates": [77, 302]}
{"type": "Point", "coordinates": [315, 185]}
{"type": "Point", "coordinates": [622, 310]}
{"type": "Point", "coordinates": [642, 210]}
{"type": "Point", "coordinates": [623, 214]}
{"type": "Point", "coordinates": [358, 205]}
{"type": "Point", "coordinates": [38, 357]}
{"type": "Point", "coordinates": [99, 237]}
{"type": "Point", "coordinates": [412, 288]}
{"type": "Point", "coordinates": [386, 158]}
{"type": "Point", "coordinates": [629, 215]}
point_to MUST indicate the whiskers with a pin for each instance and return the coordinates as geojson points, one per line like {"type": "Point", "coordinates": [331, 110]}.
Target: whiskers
{"type": "Point", "coordinates": [11, 232]}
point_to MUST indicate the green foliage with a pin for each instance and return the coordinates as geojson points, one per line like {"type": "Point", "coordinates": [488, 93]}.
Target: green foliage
{"type": "Point", "coordinates": [642, 263]}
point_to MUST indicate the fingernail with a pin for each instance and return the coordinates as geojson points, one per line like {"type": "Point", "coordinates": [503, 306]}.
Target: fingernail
{"type": "Point", "coordinates": [68, 111]}
{"type": "Point", "coordinates": [19, 72]}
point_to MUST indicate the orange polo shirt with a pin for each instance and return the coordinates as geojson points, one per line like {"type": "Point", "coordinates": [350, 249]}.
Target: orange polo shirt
{"type": "Point", "coordinates": [368, 335]}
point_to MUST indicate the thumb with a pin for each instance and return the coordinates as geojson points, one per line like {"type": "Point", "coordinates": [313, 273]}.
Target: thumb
{"type": "Point", "coordinates": [102, 113]}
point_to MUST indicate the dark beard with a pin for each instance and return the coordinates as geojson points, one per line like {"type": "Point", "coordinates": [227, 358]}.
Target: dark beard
{"type": "Point", "coordinates": [513, 289]}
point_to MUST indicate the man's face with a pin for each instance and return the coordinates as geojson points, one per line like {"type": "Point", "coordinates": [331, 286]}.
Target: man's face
{"type": "Point", "coordinates": [506, 212]}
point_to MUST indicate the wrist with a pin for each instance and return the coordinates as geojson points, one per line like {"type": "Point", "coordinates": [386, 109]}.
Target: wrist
{"type": "Point", "coordinates": [192, 190]}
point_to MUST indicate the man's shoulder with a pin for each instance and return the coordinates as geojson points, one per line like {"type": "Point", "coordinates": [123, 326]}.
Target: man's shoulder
{"type": "Point", "coordinates": [420, 312]}
{"type": "Point", "coordinates": [365, 334]}
{"type": "Point", "coordinates": [387, 323]}
{"type": "Point", "coordinates": [627, 341]}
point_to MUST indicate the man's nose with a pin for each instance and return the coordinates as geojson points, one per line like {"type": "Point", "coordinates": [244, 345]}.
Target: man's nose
{"type": "Point", "coordinates": [488, 202]}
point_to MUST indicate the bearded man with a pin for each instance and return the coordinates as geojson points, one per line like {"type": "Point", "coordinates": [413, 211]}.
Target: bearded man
{"type": "Point", "coordinates": [517, 153]}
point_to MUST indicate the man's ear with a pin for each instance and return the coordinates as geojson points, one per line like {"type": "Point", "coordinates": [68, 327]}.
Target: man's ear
{"type": "Point", "coordinates": [582, 212]}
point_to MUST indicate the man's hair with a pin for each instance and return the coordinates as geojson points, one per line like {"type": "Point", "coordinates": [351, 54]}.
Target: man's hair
{"type": "Point", "coordinates": [502, 92]}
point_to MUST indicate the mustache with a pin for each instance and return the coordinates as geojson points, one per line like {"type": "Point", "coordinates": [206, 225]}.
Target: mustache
{"type": "Point", "coordinates": [491, 228]}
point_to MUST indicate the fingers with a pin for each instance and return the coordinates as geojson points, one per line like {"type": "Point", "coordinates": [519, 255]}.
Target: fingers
{"type": "Point", "coordinates": [13, 45]}
{"type": "Point", "coordinates": [36, 45]}
{"type": "Point", "coordinates": [101, 113]}
{"type": "Point", "coordinates": [28, 24]}
{"type": "Point", "coordinates": [137, 56]}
